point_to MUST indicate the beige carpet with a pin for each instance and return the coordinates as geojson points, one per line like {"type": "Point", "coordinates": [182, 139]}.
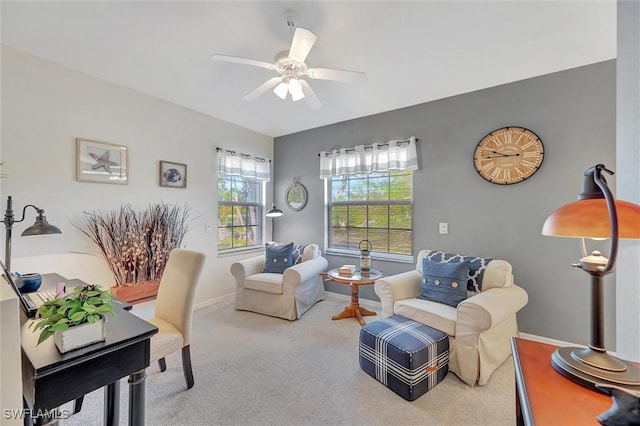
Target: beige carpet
{"type": "Point", "coordinates": [252, 369]}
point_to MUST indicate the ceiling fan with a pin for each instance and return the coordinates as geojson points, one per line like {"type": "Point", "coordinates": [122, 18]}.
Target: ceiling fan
{"type": "Point", "coordinates": [293, 71]}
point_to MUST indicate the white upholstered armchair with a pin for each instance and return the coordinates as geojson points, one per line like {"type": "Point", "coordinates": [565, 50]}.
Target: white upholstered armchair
{"type": "Point", "coordinates": [479, 328]}
{"type": "Point", "coordinates": [287, 295]}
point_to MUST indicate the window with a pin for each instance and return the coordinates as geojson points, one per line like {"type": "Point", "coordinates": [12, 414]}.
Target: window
{"type": "Point", "coordinates": [240, 186]}
{"type": "Point", "coordinates": [377, 207]}
{"type": "Point", "coordinates": [239, 212]}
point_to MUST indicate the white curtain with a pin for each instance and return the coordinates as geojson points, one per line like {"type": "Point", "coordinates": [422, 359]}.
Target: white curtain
{"type": "Point", "coordinates": [381, 157]}
{"type": "Point", "coordinates": [231, 163]}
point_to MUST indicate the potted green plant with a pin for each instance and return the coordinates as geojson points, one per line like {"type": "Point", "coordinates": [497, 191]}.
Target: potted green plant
{"type": "Point", "coordinates": [75, 320]}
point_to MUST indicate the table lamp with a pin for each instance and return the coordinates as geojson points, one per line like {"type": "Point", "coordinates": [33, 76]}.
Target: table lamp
{"type": "Point", "coordinates": [595, 215]}
{"type": "Point", "coordinates": [40, 227]}
{"type": "Point", "coordinates": [273, 212]}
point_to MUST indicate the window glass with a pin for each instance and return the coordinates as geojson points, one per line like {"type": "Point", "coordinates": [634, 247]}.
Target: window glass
{"type": "Point", "coordinates": [357, 189]}
{"type": "Point", "coordinates": [239, 213]}
{"type": "Point", "coordinates": [377, 207]}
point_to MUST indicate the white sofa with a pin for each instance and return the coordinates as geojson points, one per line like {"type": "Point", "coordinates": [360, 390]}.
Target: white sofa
{"type": "Point", "coordinates": [479, 328]}
{"type": "Point", "coordinates": [286, 295]}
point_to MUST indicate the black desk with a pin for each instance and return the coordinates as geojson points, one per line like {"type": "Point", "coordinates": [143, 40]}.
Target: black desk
{"type": "Point", "coordinates": [51, 378]}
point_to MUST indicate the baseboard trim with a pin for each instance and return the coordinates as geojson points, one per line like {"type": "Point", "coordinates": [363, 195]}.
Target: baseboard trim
{"type": "Point", "coordinates": [214, 301]}
{"type": "Point", "coordinates": [548, 341]}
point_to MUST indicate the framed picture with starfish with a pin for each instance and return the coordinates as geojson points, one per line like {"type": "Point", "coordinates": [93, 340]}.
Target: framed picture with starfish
{"type": "Point", "coordinates": [101, 162]}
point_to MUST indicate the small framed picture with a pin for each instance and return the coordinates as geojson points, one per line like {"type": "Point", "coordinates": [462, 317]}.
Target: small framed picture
{"type": "Point", "coordinates": [101, 162]}
{"type": "Point", "coordinates": [173, 175]}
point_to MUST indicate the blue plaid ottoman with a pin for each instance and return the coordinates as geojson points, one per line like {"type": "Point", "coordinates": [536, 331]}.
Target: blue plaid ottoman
{"type": "Point", "coordinates": [406, 356]}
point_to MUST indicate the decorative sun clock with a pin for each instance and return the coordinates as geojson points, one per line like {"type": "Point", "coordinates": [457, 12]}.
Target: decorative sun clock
{"type": "Point", "coordinates": [508, 155]}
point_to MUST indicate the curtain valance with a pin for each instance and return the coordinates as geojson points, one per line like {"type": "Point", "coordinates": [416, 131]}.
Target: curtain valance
{"type": "Point", "coordinates": [379, 157]}
{"type": "Point", "coordinates": [232, 163]}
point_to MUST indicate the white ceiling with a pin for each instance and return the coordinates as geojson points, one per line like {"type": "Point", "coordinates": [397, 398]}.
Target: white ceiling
{"type": "Point", "coordinates": [413, 52]}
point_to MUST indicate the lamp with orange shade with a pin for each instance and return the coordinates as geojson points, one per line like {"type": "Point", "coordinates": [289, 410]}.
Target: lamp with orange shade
{"type": "Point", "coordinates": [596, 214]}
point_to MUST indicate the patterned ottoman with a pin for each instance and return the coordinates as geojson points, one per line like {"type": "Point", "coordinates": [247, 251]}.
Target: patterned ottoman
{"type": "Point", "coordinates": [406, 356]}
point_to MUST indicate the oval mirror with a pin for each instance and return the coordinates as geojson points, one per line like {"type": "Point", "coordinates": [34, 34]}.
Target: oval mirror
{"type": "Point", "coordinates": [296, 195]}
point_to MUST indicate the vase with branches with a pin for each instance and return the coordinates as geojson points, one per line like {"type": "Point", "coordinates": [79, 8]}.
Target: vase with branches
{"type": "Point", "coordinates": [136, 244]}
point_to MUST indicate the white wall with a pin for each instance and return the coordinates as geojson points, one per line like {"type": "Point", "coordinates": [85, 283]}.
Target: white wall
{"type": "Point", "coordinates": [10, 377]}
{"type": "Point", "coordinates": [46, 106]}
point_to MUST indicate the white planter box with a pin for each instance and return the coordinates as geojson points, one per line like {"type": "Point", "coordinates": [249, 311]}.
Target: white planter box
{"type": "Point", "coordinates": [80, 335]}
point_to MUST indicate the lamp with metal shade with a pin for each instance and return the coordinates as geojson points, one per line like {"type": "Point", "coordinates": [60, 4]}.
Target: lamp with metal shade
{"type": "Point", "coordinates": [596, 214]}
{"type": "Point", "coordinates": [273, 212]}
{"type": "Point", "coordinates": [40, 227]}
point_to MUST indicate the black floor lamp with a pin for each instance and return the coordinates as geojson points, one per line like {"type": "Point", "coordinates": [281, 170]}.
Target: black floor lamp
{"type": "Point", "coordinates": [596, 214]}
{"type": "Point", "coordinates": [273, 212]}
{"type": "Point", "coordinates": [40, 227]}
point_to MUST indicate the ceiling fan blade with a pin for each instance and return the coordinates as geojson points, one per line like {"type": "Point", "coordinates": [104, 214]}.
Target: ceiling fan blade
{"type": "Point", "coordinates": [244, 61]}
{"type": "Point", "coordinates": [309, 95]}
{"type": "Point", "coordinates": [336, 75]}
{"type": "Point", "coordinates": [301, 44]}
{"type": "Point", "coordinates": [263, 88]}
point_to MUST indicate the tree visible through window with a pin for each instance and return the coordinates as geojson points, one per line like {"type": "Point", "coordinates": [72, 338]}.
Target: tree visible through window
{"type": "Point", "coordinates": [375, 207]}
{"type": "Point", "coordinates": [239, 212]}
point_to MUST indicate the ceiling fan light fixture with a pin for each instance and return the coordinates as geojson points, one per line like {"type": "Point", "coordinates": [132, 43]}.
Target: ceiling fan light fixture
{"type": "Point", "coordinates": [281, 90]}
{"type": "Point", "coordinates": [295, 88]}
{"type": "Point", "coordinates": [293, 71]}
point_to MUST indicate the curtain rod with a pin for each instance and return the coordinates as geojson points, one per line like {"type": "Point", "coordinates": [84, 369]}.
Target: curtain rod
{"type": "Point", "coordinates": [241, 154]}
{"type": "Point", "coordinates": [371, 146]}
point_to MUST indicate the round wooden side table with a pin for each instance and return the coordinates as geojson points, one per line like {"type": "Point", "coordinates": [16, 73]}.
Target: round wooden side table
{"type": "Point", "coordinates": [354, 310]}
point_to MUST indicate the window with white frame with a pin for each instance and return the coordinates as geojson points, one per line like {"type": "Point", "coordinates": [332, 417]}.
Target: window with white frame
{"type": "Point", "coordinates": [370, 197]}
{"type": "Point", "coordinates": [239, 213]}
{"type": "Point", "coordinates": [240, 209]}
{"type": "Point", "coordinates": [377, 207]}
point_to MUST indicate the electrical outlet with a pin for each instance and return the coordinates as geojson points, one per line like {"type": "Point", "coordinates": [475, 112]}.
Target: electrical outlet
{"type": "Point", "coordinates": [208, 228]}
{"type": "Point", "coordinates": [443, 228]}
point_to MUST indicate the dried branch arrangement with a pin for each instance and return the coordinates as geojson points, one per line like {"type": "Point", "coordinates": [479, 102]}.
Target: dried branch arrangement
{"type": "Point", "coordinates": [136, 245]}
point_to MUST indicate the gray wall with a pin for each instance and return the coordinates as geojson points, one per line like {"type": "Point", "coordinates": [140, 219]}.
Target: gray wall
{"type": "Point", "coordinates": [628, 169]}
{"type": "Point", "coordinates": [572, 111]}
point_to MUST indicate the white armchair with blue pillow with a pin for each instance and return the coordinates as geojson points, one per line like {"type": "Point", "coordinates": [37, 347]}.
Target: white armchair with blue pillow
{"type": "Point", "coordinates": [473, 300]}
{"type": "Point", "coordinates": [284, 282]}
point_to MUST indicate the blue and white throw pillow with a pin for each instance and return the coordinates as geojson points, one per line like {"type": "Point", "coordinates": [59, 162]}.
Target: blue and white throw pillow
{"type": "Point", "coordinates": [278, 258]}
{"type": "Point", "coordinates": [477, 265]}
{"type": "Point", "coordinates": [298, 251]}
{"type": "Point", "coordinates": [444, 282]}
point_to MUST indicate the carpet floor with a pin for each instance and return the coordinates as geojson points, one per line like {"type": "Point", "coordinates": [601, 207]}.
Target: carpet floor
{"type": "Point", "coordinates": [252, 369]}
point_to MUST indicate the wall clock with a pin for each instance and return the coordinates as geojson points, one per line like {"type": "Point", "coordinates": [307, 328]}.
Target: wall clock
{"type": "Point", "coordinates": [508, 155]}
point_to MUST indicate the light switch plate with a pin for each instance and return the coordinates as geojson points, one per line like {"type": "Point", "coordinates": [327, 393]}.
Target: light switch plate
{"type": "Point", "coordinates": [443, 228]}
